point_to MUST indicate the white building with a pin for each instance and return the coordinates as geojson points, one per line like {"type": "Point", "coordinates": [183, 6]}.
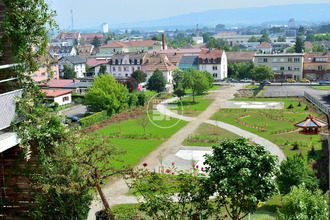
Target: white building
{"type": "Point", "coordinates": [213, 61]}
{"type": "Point", "coordinates": [62, 97]}
{"type": "Point", "coordinates": [76, 62]}
{"type": "Point", "coordinates": [105, 28]}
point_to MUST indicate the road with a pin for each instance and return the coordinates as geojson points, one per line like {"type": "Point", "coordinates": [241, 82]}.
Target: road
{"type": "Point", "coordinates": [78, 111]}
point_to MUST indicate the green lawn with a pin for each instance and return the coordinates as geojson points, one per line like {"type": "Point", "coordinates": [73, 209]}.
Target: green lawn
{"type": "Point", "coordinates": [275, 126]}
{"type": "Point", "coordinates": [321, 87]}
{"type": "Point", "coordinates": [130, 128]}
{"type": "Point", "coordinates": [135, 150]}
{"type": "Point", "coordinates": [250, 86]}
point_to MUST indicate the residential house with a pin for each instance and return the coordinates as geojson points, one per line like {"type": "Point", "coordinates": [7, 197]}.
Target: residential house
{"type": "Point", "coordinates": [240, 57]}
{"type": "Point", "coordinates": [284, 65]}
{"type": "Point", "coordinates": [325, 44]}
{"type": "Point", "coordinates": [70, 38]}
{"type": "Point", "coordinates": [62, 97]}
{"type": "Point", "coordinates": [131, 46]}
{"type": "Point", "coordinates": [188, 62]}
{"type": "Point", "coordinates": [281, 46]}
{"type": "Point", "coordinates": [122, 65]}
{"type": "Point", "coordinates": [60, 83]}
{"type": "Point", "coordinates": [42, 74]}
{"type": "Point", "coordinates": [79, 87]}
{"type": "Point", "coordinates": [213, 61]}
{"type": "Point", "coordinates": [317, 66]}
{"type": "Point", "coordinates": [85, 51]}
{"type": "Point", "coordinates": [308, 45]}
{"type": "Point", "coordinates": [198, 40]}
{"type": "Point", "coordinates": [155, 61]}
{"type": "Point", "coordinates": [62, 51]}
{"type": "Point", "coordinates": [249, 46]}
{"type": "Point", "coordinates": [264, 47]}
{"type": "Point", "coordinates": [76, 62]}
{"type": "Point", "coordinates": [95, 64]}
{"type": "Point", "coordinates": [88, 38]}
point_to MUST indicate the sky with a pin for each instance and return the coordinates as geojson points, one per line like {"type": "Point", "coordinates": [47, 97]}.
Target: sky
{"type": "Point", "coordinates": [92, 13]}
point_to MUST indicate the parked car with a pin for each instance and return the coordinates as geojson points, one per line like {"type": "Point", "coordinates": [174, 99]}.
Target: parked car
{"type": "Point", "coordinates": [266, 82]}
{"type": "Point", "coordinates": [324, 82]}
{"type": "Point", "coordinates": [246, 80]}
{"type": "Point", "coordinates": [290, 80]}
{"type": "Point", "coordinates": [71, 119]}
{"type": "Point", "coordinates": [232, 80]}
{"type": "Point", "coordinates": [304, 80]}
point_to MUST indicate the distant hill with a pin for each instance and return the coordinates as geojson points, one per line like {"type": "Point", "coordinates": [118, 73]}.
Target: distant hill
{"type": "Point", "coordinates": [308, 13]}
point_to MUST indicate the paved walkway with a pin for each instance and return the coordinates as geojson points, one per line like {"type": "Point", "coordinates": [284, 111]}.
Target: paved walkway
{"type": "Point", "coordinates": [115, 191]}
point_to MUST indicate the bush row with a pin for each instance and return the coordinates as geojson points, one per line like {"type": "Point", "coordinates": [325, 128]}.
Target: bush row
{"type": "Point", "coordinates": [97, 117]}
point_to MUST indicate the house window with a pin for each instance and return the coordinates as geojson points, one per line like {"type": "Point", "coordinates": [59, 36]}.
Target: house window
{"type": "Point", "coordinates": [119, 68]}
{"type": "Point", "coordinates": [133, 69]}
{"type": "Point", "coordinates": [215, 68]}
{"type": "Point", "coordinates": [114, 50]}
{"type": "Point", "coordinates": [54, 65]}
{"type": "Point", "coordinates": [66, 98]}
{"type": "Point", "coordinates": [42, 66]}
{"type": "Point", "coordinates": [274, 68]}
{"type": "Point", "coordinates": [259, 60]}
{"type": "Point", "coordinates": [209, 61]}
{"type": "Point", "coordinates": [214, 61]}
{"type": "Point", "coordinates": [114, 68]}
{"type": "Point", "coordinates": [289, 68]}
{"type": "Point", "coordinates": [35, 75]}
{"type": "Point", "coordinates": [215, 75]}
{"type": "Point", "coordinates": [296, 68]}
{"type": "Point", "coordinates": [282, 68]}
{"type": "Point", "coordinates": [55, 72]}
{"type": "Point", "coordinates": [265, 60]}
{"type": "Point", "coordinates": [282, 60]}
{"type": "Point", "coordinates": [126, 75]}
{"type": "Point", "coordinates": [289, 59]}
{"type": "Point", "coordinates": [125, 68]}
{"type": "Point", "coordinates": [309, 67]}
{"type": "Point", "coordinates": [296, 60]}
{"type": "Point", "coordinates": [43, 74]}
{"type": "Point", "coordinates": [138, 67]}
{"type": "Point", "coordinates": [274, 60]}
{"type": "Point", "coordinates": [149, 48]}
{"type": "Point", "coordinates": [319, 67]}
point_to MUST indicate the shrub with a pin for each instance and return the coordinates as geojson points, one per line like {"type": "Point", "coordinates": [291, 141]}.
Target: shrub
{"type": "Point", "coordinates": [132, 100]}
{"type": "Point", "coordinates": [92, 119]}
{"type": "Point", "coordinates": [142, 99]}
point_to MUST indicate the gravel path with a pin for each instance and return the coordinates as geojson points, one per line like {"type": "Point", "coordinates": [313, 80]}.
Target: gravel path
{"type": "Point", "coordinates": [115, 191]}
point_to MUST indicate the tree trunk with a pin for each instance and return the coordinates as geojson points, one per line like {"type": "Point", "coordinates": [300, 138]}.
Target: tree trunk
{"type": "Point", "coordinates": [104, 201]}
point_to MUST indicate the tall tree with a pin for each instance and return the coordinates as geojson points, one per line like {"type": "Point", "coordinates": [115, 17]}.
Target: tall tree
{"type": "Point", "coordinates": [139, 76]}
{"type": "Point", "coordinates": [293, 173]}
{"type": "Point", "coordinates": [253, 39]}
{"type": "Point", "coordinates": [240, 174]}
{"type": "Point", "coordinates": [68, 72]}
{"type": "Point", "coordinates": [177, 77]}
{"type": "Point", "coordinates": [106, 94]}
{"type": "Point", "coordinates": [206, 37]}
{"type": "Point", "coordinates": [157, 81]}
{"type": "Point", "coordinates": [96, 42]}
{"type": "Point", "coordinates": [281, 38]}
{"type": "Point", "coordinates": [235, 48]}
{"type": "Point", "coordinates": [196, 81]}
{"type": "Point", "coordinates": [299, 45]}
{"type": "Point", "coordinates": [264, 37]}
{"type": "Point", "coordinates": [261, 72]}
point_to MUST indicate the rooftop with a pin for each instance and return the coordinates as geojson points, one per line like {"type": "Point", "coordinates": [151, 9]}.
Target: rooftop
{"type": "Point", "coordinates": [240, 55]}
{"type": "Point", "coordinates": [158, 61]}
{"type": "Point", "coordinates": [56, 92]}
{"type": "Point", "coordinates": [264, 45]}
{"type": "Point", "coordinates": [74, 59]}
{"type": "Point", "coordinates": [95, 62]}
{"type": "Point", "coordinates": [210, 53]}
{"type": "Point", "coordinates": [117, 44]}
{"type": "Point", "coordinates": [79, 85]}
{"type": "Point", "coordinates": [60, 83]}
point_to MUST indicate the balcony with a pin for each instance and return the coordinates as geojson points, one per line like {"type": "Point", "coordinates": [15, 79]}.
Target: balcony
{"type": "Point", "coordinates": [8, 138]}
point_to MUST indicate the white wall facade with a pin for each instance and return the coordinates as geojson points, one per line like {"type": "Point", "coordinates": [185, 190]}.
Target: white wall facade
{"type": "Point", "coordinates": [63, 99]}
{"type": "Point", "coordinates": [218, 71]}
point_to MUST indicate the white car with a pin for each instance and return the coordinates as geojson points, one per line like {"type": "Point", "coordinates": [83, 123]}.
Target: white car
{"type": "Point", "coordinates": [245, 80]}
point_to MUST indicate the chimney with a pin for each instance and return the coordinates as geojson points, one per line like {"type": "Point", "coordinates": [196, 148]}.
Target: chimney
{"type": "Point", "coordinates": [163, 41]}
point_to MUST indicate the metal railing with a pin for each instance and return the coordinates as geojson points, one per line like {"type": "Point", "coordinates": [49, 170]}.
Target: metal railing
{"type": "Point", "coordinates": [316, 102]}
{"type": "Point", "coordinates": [7, 101]}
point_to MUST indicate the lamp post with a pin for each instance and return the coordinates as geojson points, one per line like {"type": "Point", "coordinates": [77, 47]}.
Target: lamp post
{"type": "Point", "coordinates": [311, 126]}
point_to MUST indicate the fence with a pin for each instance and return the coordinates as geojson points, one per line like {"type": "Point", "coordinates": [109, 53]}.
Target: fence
{"type": "Point", "coordinates": [316, 102]}
{"type": "Point", "coordinates": [257, 90]}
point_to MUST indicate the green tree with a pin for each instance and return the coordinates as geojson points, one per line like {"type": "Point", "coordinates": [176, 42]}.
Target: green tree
{"type": "Point", "coordinates": [96, 42]}
{"type": "Point", "coordinates": [299, 45]}
{"type": "Point", "coordinates": [318, 48]}
{"type": "Point", "coordinates": [253, 39]}
{"type": "Point", "coordinates": [139, 76]}
{"type": "Point", "coordinates": [143, 121]}
{"type": "Point", "coordinates": [261, 72]}
{"type": "Point", "coordinates": [68, 72]}
{"type": "Point", "coordinates": [213, 43]}
{"type": "Point", "coordinates": [210, 79]}
{"type": "Point", "coordinates": [293, 173]}
{"type": "Point", "coordinates": [103, 69]}
{"type": "Point", "coordinates": [206, 37]}
{"type": "Point", "coordinates": [131, 84]}
{"type": "Point", "coordinates": [106, 94]}
{"type": "Point", "coordinates": [302, 203]}
{"type": "Point", "coordinates": [177, 77]}
{"type": "Point", "coordinates": [241, 175]}
{"type": "Point", "coordinates": [281, 38]}
{"type": "Point", "coordinates": [157, 81]}
{"type": "Point", "coordinates": [264, 37]}
{"type": "Point", "coordinates": [196, 81]}
{"type": "Point", "coordinates": [240, 70]}
{"type": "Point", "coordinates": [310, 37]}
{"type": "Point", "coordinates": [235, 48]}
{"type": "Point", "coordinates": [179, 91]}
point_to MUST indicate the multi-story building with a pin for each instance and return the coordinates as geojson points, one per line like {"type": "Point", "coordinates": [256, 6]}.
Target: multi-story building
{"type": "Point", "coordinates": [283, 65]}
{"type": "Point", "coordinates": [264, 47]}
{"type": "Point", "coordinates": [42, 74]}
{"type": "Point", "coordinates": [69, 39]}
{"type": "Point", "coordinates": [62, 51]}
{"type": "Point", "coordinates": [85, 51]}
{"type": "Point", "coordinates": [317, 66]}
{"type": "Point", "coordinates": [76, 62]}
{"type": "Point", "coordinates": [161, 62]}
{"type": "Point", "coordinates": [131, 46]}
{"type": "Point", "coordinates": [122, 65]}
{"type": "Point", "coordinates": [213, 61]}
{"type": "Point", "coordinates": [240, 57]}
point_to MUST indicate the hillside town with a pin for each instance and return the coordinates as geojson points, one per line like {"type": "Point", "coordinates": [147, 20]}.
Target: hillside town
{"type": "Point", "coordinates": [218, 122]}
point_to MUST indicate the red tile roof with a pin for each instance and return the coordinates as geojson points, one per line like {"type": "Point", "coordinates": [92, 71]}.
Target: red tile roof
{"type": "Point", "coordinates": [210, 53]}
{"type": "Point", "coordinates": [94, 62]}
{"type": "Point", "coordinates": [264, 45]}
{"type": "Point", "coordinates": [158, 61]}
{"type": "Point", "coordinates": [130, 43]}
{"type": "Point", "coordinates": [56, 92]}
{"type": "Point", "coordinates": [59, 83]}
{"type": "Point", "coordinates": [177, 51]}
{"type": "Point", "coordinates": [310, 57]}
{"type": "Point", "coordinates": [308, 44]}
{"type": "Point", "coordinates": [63, 36]}
{"type": "Point", "coordinates": [91, 35]}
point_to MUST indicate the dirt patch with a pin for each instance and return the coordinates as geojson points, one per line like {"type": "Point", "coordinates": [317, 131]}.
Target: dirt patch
{"type": "Point", "coordinates": [244, 93]}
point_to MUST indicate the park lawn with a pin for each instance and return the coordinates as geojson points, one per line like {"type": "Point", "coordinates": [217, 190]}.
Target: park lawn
{"type": "Point", "coordinates": [130, 128]}
{"type": "Point", "coordinates": [250, 86]}
{"type": "Point", "coordinates": [321, 87]}
{"type": "Point", "coordinates": [214, 87]}
{"type": "Point", "coordinates": [135, 150]}
{"type": "Point", "coordinates": [285, 140]}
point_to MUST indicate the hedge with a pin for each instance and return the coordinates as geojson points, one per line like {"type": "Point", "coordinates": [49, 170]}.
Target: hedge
{"type": "Point", "coordinates": [92, 119]}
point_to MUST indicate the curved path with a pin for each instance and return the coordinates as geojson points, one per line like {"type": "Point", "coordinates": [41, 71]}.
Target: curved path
{"type": "Point", "coordinates": [115, 190]}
